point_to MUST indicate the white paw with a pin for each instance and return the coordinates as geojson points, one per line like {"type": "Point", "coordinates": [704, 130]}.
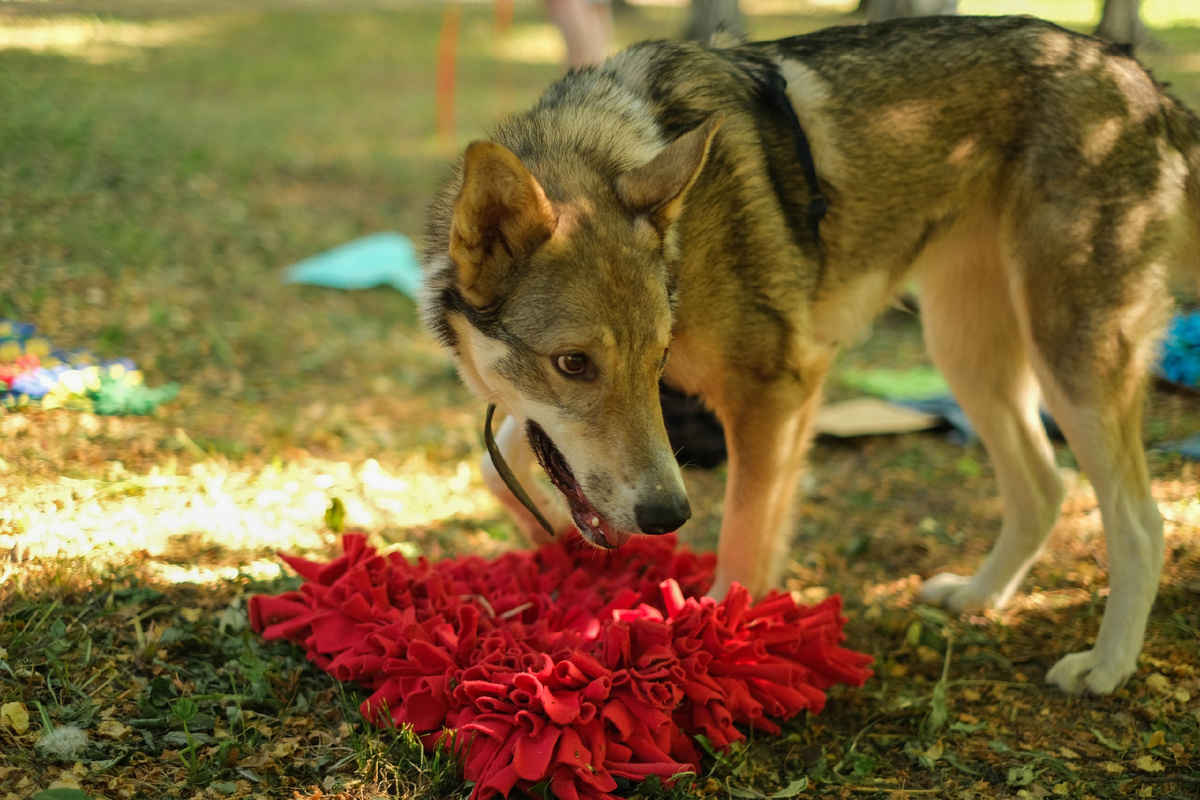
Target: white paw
{"type": "Point", "coordinates": [956, 593]}
{"type": "Point", "coordinates": [1091, 673]}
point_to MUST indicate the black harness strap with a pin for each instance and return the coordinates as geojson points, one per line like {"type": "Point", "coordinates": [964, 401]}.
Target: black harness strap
{"type": "Point", "coordinates": [818, 206]}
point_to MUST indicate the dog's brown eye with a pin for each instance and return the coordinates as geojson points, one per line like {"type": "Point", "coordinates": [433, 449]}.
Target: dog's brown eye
{"type": "Point", "coordinates": [572, 364]}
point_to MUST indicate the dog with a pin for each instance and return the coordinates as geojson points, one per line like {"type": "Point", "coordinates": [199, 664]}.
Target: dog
{"type": "Point", "coordinates": [725, 216]}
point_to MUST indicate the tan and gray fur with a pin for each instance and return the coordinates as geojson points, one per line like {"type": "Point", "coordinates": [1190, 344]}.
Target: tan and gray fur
{"type": "Point", "coordinates": [1040, 187]}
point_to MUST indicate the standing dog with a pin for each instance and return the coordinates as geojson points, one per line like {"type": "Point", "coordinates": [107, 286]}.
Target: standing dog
{"type": "Point", "coordinates": [748, 208]}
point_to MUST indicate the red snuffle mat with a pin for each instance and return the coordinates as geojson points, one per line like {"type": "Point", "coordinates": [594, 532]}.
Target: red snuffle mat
{"type": "Point", "coordinates": [565, 664]}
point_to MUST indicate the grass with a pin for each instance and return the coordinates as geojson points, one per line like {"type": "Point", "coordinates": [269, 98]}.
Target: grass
{"type": "Point", "coordinates": [160, 164]}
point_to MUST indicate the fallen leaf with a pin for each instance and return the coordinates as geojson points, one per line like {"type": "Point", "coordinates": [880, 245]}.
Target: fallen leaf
{"type": "Point", "coordinates": [912, 636]}
{"type": "Point", "coordinates": [66, 780]}
{"type": "Point", "coordinates": [285, 748]}
{"type": "Point", "coordinates": [15, 716]}
{"type": "Point", "coordinates": [1021, 776]}
{"type": "Point", "coordinates": [927, 655]}
{"type": "Point", "coordinates": [1109, 743]}
{"type": "Point", "coordinates": [1149, 764]}
{"type": "Point", "coordinates": [1158, 683]}
{"type": "Point", "coordinates": [1157, 739]}
{"type": "Point", "coordinates": [112, 729]}
{"type": "Point", "coordinates": [1113, 768]}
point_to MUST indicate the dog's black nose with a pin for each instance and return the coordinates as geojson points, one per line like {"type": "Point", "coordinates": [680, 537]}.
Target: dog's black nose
{"type": "Point", "coordinates": [664, 516]}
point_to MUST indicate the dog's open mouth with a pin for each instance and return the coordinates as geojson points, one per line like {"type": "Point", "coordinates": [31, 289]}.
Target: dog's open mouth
{"type": "Point", "coordinates": [592, 525]}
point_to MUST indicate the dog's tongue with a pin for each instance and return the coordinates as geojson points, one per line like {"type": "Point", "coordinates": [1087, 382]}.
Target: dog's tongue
{"type": "Point", "coordinates": [592, 525]}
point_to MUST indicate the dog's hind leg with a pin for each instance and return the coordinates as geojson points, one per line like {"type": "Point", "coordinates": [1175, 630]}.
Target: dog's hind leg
{"type": "Point", "coordinates": [1106, 438]}
{"type": "Point", "coordinates": [972, 332]}
{"type": "Point", "coordinates": [1089, 280]}
{"type": "Point", "coordinates": [1098, 404]}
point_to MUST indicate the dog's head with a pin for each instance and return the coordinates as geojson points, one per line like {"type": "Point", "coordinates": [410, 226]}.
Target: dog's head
{"type": "Point", "coordinates": [558, 305]}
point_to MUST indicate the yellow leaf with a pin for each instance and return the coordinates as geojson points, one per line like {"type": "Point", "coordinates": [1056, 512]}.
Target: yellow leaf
{"type": "Point", "coordinates": [1061, 789]}
{"type": "Point", "coordinates": [1157, 739]}
{"type": "Point", "coordinates": [112, 729]}
{"type": "Point", "coordinates": [15, 716]}
{"type": "Point", "coordinates": [1158, 683]}
{"type": "Point", "coordinates": [1113, 768]}
{"type": "Point", "coordinates": [1067, 752]}
{"type": "Point", "coordinates": [285, 748]}
{"type": "Point", "coordinates": [1149, 764]}
{"type": "Point", "coordinates": [1183, 695]}
{"type": "Point", "coordinates": [66, 780]}
{"type": "Point", "coordinates": [935, 751]}
{"type": "Point", "coordinates": [927, 655]}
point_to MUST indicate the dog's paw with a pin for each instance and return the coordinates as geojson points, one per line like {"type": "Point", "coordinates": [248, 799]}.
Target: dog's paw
{"type": "Point", "coordinates": [1089, 672]}
{"type": "Point", "coordinates": [952, 592]}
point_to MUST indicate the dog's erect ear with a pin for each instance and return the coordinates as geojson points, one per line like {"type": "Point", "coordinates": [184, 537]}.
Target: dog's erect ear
{"type": "Point", "coordinates": [657, 188]}
{"type": "Point", "coordinates": [501, 214]}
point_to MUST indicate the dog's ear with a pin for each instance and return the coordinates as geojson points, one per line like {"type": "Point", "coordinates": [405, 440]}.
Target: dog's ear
{"type": "Point", "coordinates": [658, 187]}
{"type": "Point", "coordinates": [501, 214]}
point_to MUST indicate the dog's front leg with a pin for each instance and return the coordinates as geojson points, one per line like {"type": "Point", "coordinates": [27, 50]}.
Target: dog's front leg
{"type": "Point", "coordinates": [767, 431]}
{"type": "Point", "coordinates": [514, 448]}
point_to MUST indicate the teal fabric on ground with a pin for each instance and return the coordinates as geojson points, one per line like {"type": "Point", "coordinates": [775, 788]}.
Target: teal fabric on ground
{"type": "Point", "coordinates": [907, 384]}
{"type": "Point", "coordinates": [381, 259]}
{"type": "Point", "coordinates": [117, 397]}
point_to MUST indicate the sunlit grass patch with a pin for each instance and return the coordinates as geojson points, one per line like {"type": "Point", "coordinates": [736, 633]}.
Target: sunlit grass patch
{"type": "Point", "coordinates": [98, 40]}
{"type": "Point", "coordinates": [204, 521]}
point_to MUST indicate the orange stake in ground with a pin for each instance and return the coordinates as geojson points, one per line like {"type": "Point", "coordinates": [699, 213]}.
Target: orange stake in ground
{"type": "Point", "coordinates": [447, 57]}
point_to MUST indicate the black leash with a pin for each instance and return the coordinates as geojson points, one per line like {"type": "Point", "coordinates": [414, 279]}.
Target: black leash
{"type": "Point", "coordinates": [506, 474]}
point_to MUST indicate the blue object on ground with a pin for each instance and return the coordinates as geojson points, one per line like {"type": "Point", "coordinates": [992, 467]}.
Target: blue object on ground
{"type": "Point", "coordinates": [376, 260]}
{"type": "Point", "coordinates": [1181, 350]}
{"type": "Point", "coordinates": [946, 407]}
{"type": "Point", "coordinates": [37, 383]}
{"type": "Point", "coordinates": [1189, 448]}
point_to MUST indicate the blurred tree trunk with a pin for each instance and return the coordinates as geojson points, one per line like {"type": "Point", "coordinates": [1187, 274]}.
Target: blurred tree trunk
{"type": "Point", "coordinates": [1121, 24]}
{"type": "Point", "coordinates": [710, 16]}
